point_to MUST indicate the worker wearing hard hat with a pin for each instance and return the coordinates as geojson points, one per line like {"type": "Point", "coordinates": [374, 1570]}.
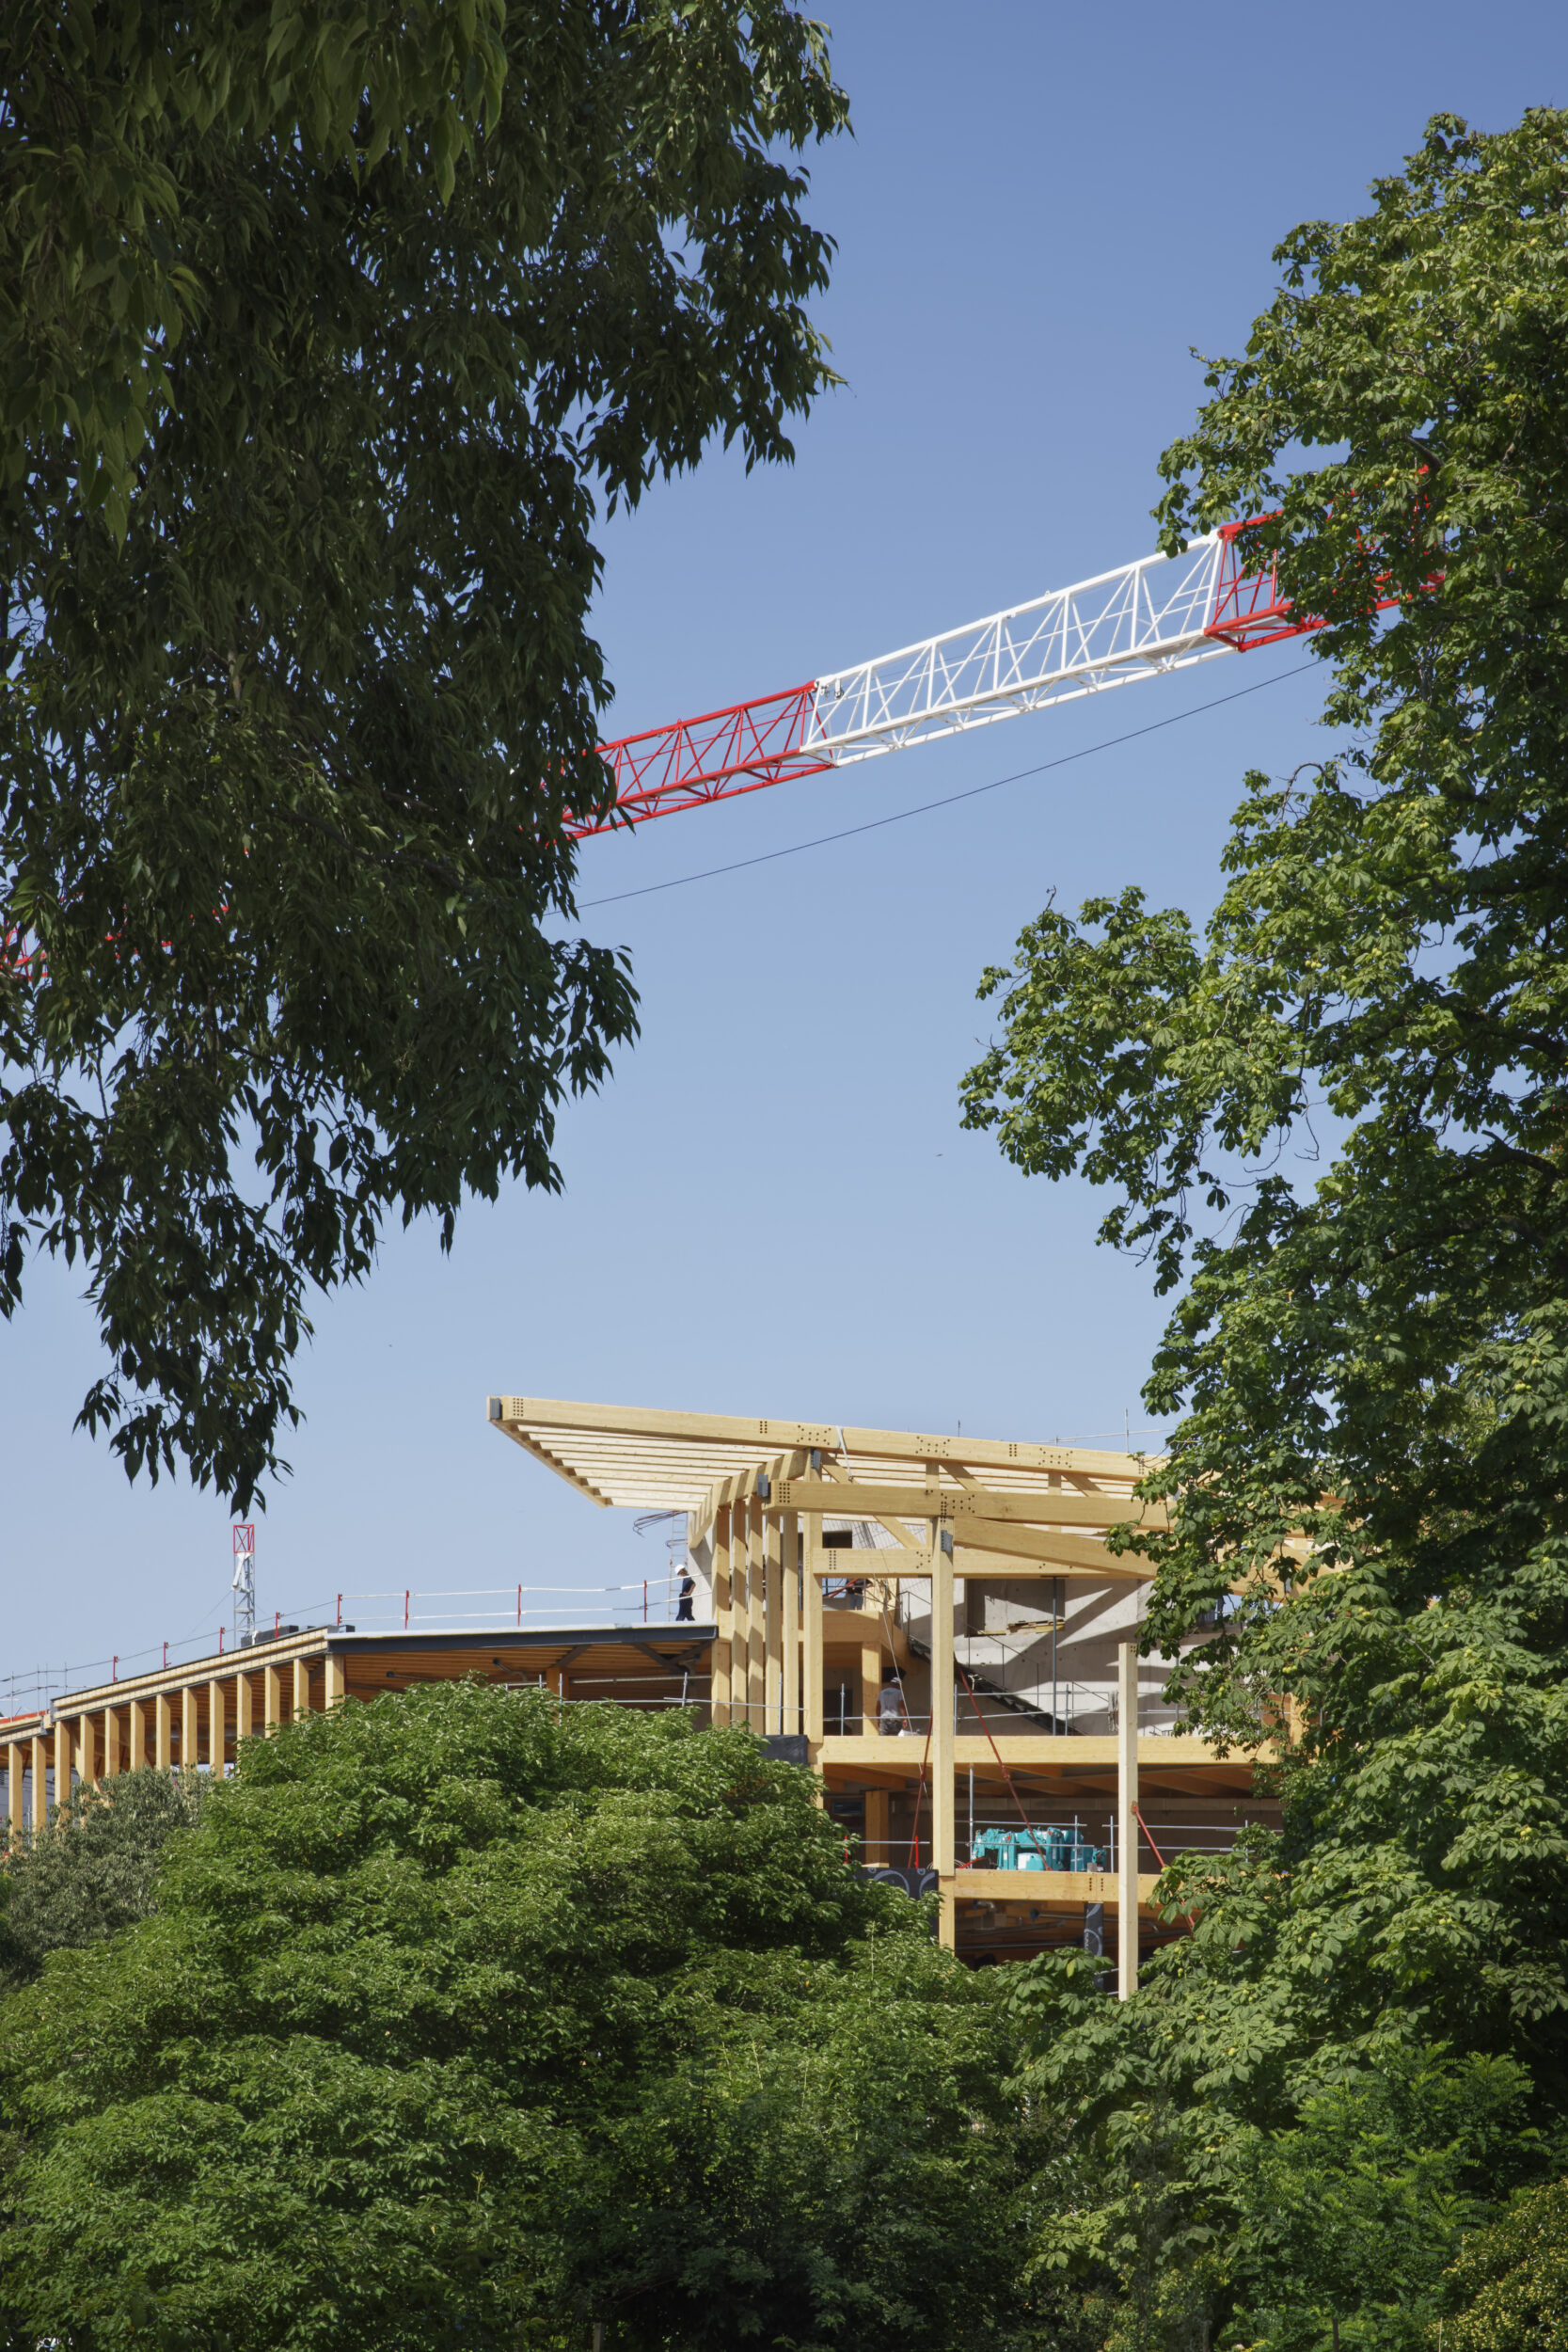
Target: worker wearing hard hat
{"type": "Point", "coordinates": [892, 1714]}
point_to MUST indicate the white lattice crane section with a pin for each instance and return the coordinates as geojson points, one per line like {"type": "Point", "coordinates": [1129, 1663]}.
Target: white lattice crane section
{"type": "Point", "coordinates": [1138, 622]}
{"type": "Point", "coordinates": [1143, 620]}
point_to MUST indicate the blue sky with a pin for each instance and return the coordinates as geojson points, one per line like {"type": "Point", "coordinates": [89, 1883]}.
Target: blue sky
{"type": "Point", "coordinates": [772, 1208]}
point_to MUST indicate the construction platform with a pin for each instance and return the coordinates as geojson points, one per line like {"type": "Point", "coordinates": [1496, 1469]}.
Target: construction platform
{"type": "Point", "coordinates": [934, 1625]}
{"type": "Point", "coordinates": [896, 1606]}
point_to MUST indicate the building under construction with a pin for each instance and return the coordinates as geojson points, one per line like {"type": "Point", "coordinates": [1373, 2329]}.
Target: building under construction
{"type": "Point", "coordinates": [934, 1625]}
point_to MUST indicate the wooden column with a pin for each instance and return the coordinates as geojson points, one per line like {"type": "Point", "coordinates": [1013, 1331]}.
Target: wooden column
{"type": "Point", "coordinates": [1127, 1821]}
{"type": "Point", "coordinates": [138, 1735]}
{"type": "Point", "coordinates": [943, 1790]}
{"type": "Point", "coordinates": [723, 1615]}
{"type": "Point", "coordinates": [40, 1785]}
{"type": "Point", "coordinates": [740, 1585]}
{"type": "Point", "coordinates": [879, 1828]}
{"type": "Point", "coordinates": [811, 1634]}
{"type": "Point", "coordinates": [87, 1750]}
{"type": "Point", "coordinates": [163, 1718]}
{"type": "Point", "coordinates": [302, 1686]}
{"type": "Point", "coordinates": [111, 1744]}
{"type": "Point", "coordinates": [62, 1763]}
{"type": "Point", "coordinates": [756, 1590]}
{"type": "Point", "coordinates": [190, 1730]}
{"type": "Point", "coordinates": [790, 1539]}
{"type": "Point", "coordinates": [871, 1684]}
{"type": "Point", "coordinates": [245, 1702]}
{"type": "Point", "coordinates": [773, 1553]}
{"type": "Point", "coordinates": [16, 1764]}
{"type": "Point", "coordinates": [740, 1616]}
{"type": "Point", "coordinates": [336, 1685]}
{"type": "Point", "coordinates": [272, 1699]}
{"type": "Point", "coordinates": [217, 1729]}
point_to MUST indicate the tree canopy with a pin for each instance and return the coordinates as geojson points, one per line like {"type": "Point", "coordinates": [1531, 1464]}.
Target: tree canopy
{"type": "Point", "coordinates": [1511, 2280]}
{"type": "Point", "coordinates": [1333, 1120]}
{"type": "Point", "coordinates": [465, 2018]}
{"type": "Point", "coordinates": [91, 1871]}
{"type": "Point", "coordinates": [1184, 2191]}
{"type": "Point", "coordinates": [1376, 1363]}
{"type": "Point", "coordinates": [322, 336]}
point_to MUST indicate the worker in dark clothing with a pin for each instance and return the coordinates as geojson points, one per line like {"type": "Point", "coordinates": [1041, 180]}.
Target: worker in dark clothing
{"type": "Point", "coordinates": [683, 1606]}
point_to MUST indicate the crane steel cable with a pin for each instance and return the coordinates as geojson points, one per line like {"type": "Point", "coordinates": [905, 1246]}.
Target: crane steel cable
{"type": "Point", "coordinates": [874, 824]}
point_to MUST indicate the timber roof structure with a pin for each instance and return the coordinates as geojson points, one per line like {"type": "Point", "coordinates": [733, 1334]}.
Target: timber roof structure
{"type": "Point", "coordinates": [656, 1460]}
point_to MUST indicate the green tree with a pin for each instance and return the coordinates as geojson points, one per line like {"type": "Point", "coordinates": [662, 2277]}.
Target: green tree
{"type": "Point", "coordinates": [92, 1870]}
{"type": "Point", "coordinates": [322, 333]}
{"type": "Point", "coordinates": [462, 2018]}
{"type": "Point", "coordinates": [1349, 2219]}
{"type": "Point", "coordinates": [1173, 2209]}
{"type": "Point", "coordinates": [1371, 1370]}
{"type": "Point", "coordinates": [1511, 2279]}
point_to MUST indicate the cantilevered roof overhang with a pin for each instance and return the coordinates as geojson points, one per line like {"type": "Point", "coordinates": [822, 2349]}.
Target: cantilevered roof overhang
{"type": "Point", "coordinates": [1007, 1501]}
{"type": "Point", "coordinates": [653, 1460]}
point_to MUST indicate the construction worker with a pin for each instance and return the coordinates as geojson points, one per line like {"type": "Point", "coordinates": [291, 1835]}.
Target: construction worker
{"type": "Point", "coordinates": [683, 1604]}
{"type": "Point", "coordinates": [892, 1714]}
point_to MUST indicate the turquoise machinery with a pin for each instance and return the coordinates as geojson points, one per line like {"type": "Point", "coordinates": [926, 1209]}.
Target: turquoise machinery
{"type": "Point", "coordinates": [1048, 1848]}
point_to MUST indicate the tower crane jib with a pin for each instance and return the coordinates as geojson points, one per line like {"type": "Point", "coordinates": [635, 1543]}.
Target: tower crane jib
{"type": "Point", "coordinates": [1144, 620]}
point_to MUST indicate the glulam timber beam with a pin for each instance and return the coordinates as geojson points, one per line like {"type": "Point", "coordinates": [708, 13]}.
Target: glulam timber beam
{"type": "Point", "coordinates": [742, 1488]}
{"type": "Point", "coordinates": [944, 1820]}
{"type": "Point", "coordinates": [1053, 1507]}
{"type": "Point", "coordinates": [1044, 1751]}
{"type": "Point", "coordinates": [514, 1415]}
{"type": "Point", "coordinates": [640, 1421]}
{"type": "Point", "coordinates": [723, 1616]}
{"type": "Point", "coordinates": [1052, 1556]}
{"type": "Point", "coordinates": [1126, 1817]}
{"type": "Point", "coordinates": [1052, 1889]}
{"type": "Point", "coordinates": [846, 1502]}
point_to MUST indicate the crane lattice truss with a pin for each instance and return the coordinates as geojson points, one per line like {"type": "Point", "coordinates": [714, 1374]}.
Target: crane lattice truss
{"type": "Point", "coordinates": [1144, 620]}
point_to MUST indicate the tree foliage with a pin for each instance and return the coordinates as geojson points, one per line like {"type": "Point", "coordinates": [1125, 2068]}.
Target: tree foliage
{"type": "Point", "coordinates": [321, 335]}
{"type": "Point", "coordinates": [462, 2018]}
{"type": "Point", "coordinates": [1375, 1363]}
{"type": "Point", "coordinates": [92, 1870]}
{"type": "Point", "coordinates": [1511, 2279]}
{"type": "Point", "coordinates": [1333, 1120]}
{"type": "Point", "coordinates": [1206, 2179]}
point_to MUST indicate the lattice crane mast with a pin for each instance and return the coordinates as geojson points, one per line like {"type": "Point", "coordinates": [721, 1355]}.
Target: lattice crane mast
{"type": "Point", "coordinates": [1159, 614]}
